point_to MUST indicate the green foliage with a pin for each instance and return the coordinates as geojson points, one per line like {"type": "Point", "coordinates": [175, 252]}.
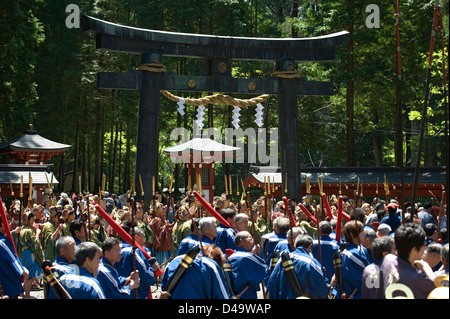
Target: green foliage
{"type": "Point", "coordinates": [21, 33]}
{"type": "Point", "coordinates": [48, 77]}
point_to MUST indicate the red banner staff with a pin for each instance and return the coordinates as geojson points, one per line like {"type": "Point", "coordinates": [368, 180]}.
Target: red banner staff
{"type": "Point", "coordinates": [6, 224]}
{"type": "Point", "coordinates": [119, 230]}
{"type": "Point", "coordinates": [339, 219]}
{"type": "Point", "coordinates": [212, 211]}
{"type": "Point", "coordinates": [327, 206]}
{"type": "Point", "coordinates": [306, 211]}
{"type": "Point", "coordinates": [124, 235]}
{"type": "Point", "coordinates": [288, 211]}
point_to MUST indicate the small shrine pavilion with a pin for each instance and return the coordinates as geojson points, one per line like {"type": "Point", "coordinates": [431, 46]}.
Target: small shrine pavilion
{"type": "Point", "coordinates": [200, 156]}
{"type": "Point", "coordinates": [25, 167]}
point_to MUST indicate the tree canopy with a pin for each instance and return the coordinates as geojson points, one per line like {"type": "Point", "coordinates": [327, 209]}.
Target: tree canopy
{"type": "Point", "coordinates": [48, 78]}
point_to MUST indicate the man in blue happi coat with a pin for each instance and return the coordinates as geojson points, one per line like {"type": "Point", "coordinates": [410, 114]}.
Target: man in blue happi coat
{"type": "Point", "coordinates": [281, 226]}
{"type": "Point", "coordinates": [10, 267]}
{"type": "Point", "coordinates": [126, 264]}
{"type": "Point", "coordinates": [355, 259]}
{"type": "Point", "coordinates": [64, 263]}
{"type": "Point", "coordinates": [328, 247]}
{"type": "Point", "coordinates": [82, 284]}
{"type": "Point", "coordinates": [203, 279]}
{"type": "Point", "coordinates": [308, 270]}
{"type": "Point", "coordinates": [247, 268]}
{"type": "Point", "coordinates": [225, 235]}
{"type": "Point", "coordinates": [204, 229]}
{"type": "Point", "coordinates": [113, 285]}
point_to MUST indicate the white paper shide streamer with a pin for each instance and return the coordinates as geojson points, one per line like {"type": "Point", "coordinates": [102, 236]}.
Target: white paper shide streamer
{"type": "Point", "coordinates": [181, 106]}
{"type": "Point", "coordinates": [259, 115]}
{"type": "Point", "coordinates": [200, 116]}
{"type": "Point", "coordinates": [235, 117]}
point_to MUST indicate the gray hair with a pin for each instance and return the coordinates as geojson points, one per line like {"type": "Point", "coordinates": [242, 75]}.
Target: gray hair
{"type": "Point", "coordinates": [283, 224]}
{"type": "Point", "coordinates": [139, 231]}
{"type": "Point", "coordinates": [381, 245]}
{"type": "Point", "coordinates": [206, 223]}
{"type": "Point", "coordinates": [384, 228]}
{"type": "Point", "coordinates": [434, 248]}
{"type": "Point", "coordinates": [240, 217]}
{"type": "Point", "coordinates": [325, 227]}
{"type": "Point", "coordinates": [303, 241]}
{"type": "Point", "coordinates": [370, 233]}
{"type": "Point", "coordinates": [241, 236]}
{"type": "Point", "coordinates": [86, 250]}
{"type": "Point", "coordinates": [62, 242]}
{"type": "Point", "coordinates": [295, 232]}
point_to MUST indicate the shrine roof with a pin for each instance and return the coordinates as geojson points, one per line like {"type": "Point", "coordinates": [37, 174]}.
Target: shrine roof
{"type": "Point", "coordinates": [40, 174]}
{"type": "Point", "coordinates": [351, 174]}
{"type": "Point", "coordinates": [201, 145]}
{"type": "Point", "coordinates": [31, 141]}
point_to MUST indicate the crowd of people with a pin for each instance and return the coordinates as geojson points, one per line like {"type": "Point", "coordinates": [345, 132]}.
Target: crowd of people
{"type": "Point", "coordinates": [229, 249]}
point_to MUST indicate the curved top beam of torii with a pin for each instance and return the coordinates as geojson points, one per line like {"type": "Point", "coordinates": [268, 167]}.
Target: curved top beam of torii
{"type": "Point", "coordinates": [116, 37]}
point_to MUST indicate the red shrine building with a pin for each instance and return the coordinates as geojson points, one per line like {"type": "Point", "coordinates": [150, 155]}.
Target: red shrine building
{"type": "Point", "coordinates": [200, 156]}
{"type": "Point", "coordinates": [369, 181]}
{"type": "Point", "coordinates": [24, 166]}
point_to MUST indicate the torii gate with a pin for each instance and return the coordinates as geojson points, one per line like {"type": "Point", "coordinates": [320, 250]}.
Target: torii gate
{"type": "Point", "coordinates": [217, 52]}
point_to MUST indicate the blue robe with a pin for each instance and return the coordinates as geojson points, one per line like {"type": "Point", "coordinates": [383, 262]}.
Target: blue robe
{"type": "Point", "coordinates": [272, 243]}
{"type": "Point", "coordinates": [146, 272]}
{"type": "Point", "coordinates": [62, 267]}
{"type": "Point", "coordinates": [225, 238]}
{"type": "Point", "coordinates": [204, 279]}
{"type": "Point", "coordinates": [11, 268]}
{"type": "Point", "coordinates": [265, 244]}
{"type": "Point", "coordinates": [328, 247]}
{"type": "Point", "coordinates": [190, 241]}
{"type": "Point", "coordinates": [247, 270]}
{"type": "Point", "coordinates": [112, 284]}
{"type": "Point", "coordinates": [82, 285]}
{"type": "Point", "coordinates": [354, 260]}
{"type": "Point", "coordinates": [309, 273]}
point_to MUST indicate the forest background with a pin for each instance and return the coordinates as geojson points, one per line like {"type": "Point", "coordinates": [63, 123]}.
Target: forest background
{"type": "Point", "coordinates": [48, 78]}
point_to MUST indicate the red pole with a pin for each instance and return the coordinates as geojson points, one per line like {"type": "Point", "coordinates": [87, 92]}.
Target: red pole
{"type": "Point", "coordinates": [339, 219]}
{"type": "Point", "coordinates": [6, 225]}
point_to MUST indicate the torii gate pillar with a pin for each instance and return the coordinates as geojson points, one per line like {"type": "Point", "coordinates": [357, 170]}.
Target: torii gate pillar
{"type": "Point", "coordinates": [288, 131]}
{"type": "Point", "coordinates": [148, 124]}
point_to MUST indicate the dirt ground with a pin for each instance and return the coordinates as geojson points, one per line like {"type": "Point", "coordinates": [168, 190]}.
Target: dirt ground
{"type": "Point", "coordinates": [39, 294]}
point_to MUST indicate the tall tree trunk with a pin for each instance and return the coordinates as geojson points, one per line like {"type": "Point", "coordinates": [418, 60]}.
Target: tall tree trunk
{"type": "Point", "coordinates": [119, 159]}
{"type": "Point", "coordinates": [84, 171]}
{"type": "Point", "coordinates": [98, 146]}
{"type": "Point", "coordinates": [350, 94]}
{"type": "Point", "coordinates": [75, 161]}
{"type": "Point", "coordinates": [114, 157]}
{"type": "Point", "coordinates": [294, 17]}
{"type": "Point", "coordinates": [111, 151]}
{"type": "Point", "coordinates": [127, 164]}
{"type": "Point", "coordinates": [256, 17]}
